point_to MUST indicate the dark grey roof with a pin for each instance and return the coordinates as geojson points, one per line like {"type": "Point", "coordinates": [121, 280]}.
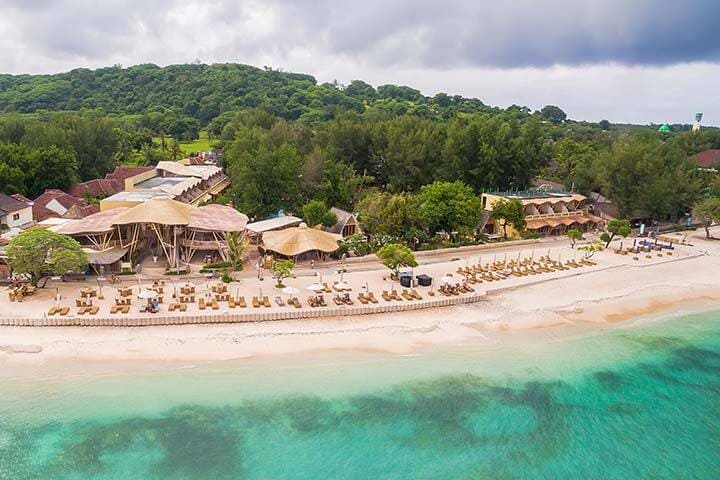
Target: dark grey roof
{"type": "Point", "coordinates": [9, 205]}
{"type": "Point", "coordinates": [342, 219]}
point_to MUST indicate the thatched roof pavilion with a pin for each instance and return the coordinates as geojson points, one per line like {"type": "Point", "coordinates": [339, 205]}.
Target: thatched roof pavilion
{"type": "Point", "coordinates": [295, 241]}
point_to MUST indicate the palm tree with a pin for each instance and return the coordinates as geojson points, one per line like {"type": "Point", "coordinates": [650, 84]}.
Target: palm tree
{"type": "Point", "coordinates": [238, 247]}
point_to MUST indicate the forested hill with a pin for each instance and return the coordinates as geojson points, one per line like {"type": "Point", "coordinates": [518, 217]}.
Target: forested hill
{"type": "Point", "coordinates": [205, 91]}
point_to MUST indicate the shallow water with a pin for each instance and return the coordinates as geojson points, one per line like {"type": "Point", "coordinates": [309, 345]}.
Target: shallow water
{"type": "Point", "coordinates": [641, 401]}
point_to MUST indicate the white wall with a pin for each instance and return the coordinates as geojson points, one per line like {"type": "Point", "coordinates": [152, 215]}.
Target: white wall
{"type": "Point", "coordinates": [25, 218]}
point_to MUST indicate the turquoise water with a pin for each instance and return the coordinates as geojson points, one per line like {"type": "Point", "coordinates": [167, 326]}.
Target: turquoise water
{"type": "Point", "coordinates": [637, 402]}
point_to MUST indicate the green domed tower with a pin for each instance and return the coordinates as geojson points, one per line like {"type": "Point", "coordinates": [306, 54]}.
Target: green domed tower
{"type": "Point", "coordinates": [665, 128]}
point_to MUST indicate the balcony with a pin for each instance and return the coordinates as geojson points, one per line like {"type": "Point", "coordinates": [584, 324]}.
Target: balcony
{"type": "Point", "coordinates": [555, 215]}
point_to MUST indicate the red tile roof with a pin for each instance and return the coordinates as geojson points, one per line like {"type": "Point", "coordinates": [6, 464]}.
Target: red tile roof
{"type": "Point", "coordinates": [104, 187]}
{"type": "Point", "coordinates": [40, 210]}
{"type": "Point", "coordinates": [707, 159]}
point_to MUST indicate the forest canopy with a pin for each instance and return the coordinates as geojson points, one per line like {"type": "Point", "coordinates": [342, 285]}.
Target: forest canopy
{"type": "Point", "coordinates": [389, 152]}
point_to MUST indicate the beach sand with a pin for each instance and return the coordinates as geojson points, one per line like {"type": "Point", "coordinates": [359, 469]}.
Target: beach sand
{"type": "Point", "coordinates": [617, 290]}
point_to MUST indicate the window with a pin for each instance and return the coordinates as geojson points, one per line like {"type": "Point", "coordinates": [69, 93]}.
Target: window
{"type": "Point", "coordinates": [16, 216]}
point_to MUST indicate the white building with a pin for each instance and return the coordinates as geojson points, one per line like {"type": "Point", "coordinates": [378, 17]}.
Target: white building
{"type": "Point", "coordinates": [14, 213]}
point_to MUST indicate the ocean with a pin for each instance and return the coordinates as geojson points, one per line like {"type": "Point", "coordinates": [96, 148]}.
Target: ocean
{"type": "Point", "coordinates": [634, 401]}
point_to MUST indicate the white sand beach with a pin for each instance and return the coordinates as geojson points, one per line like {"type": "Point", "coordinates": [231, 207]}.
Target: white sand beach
{"type": "Point", "coordinates": [617, 289]}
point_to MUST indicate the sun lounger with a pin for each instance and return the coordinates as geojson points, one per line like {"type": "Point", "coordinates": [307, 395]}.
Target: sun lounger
{"type": "Point", "coordinates": [201, 304]}
{"type": "Point", "coordinates": [406, 295]}
{"type": "Point", "coordinates": [242, 303]}
{"type": "Point", "coordinates": [64, 311]}
{"type": "Point", "coordinates": [255, 302]}
{"type": "Point", "coordinates": [338, 300]}
{"type": "Point", "coordinates": [115, 309]}
{"type": "Point", "coordinates": [327, 289]}
{"type": "Point", "coordinates": [362, 299]}
{"type": "Point", "coordinates": [414, 293]}
{"type": "Point", "coordinates": [231, 302]}
{"type": "Point", "coordinates": [371, 296]}
{"type": "Point", "coordinates": [266, 302]}
{"type": "Point", "coordinates": [279, 302]}
{"type": "Point", "coordinates": [394, 295]}
{"type": "Point", "coordinates": [53, 310]}
{"type": "Point", "coordinates": [295, 302]}
{"type": "Point", "coordinates": [386, 296]}
{"type": "Point", "coordinates": [431, 293]}
{"type": "Point", "coordinates": [214, 304]}
{"type": "Point", "coordinates": [321, 301]}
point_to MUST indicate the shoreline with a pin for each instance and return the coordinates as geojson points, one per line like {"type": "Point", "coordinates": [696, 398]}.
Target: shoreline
{"type": "Point", "coordinates": [614, 293]}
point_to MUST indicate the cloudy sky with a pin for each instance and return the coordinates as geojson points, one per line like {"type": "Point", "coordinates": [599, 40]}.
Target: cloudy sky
{"type": "Point", "coordinates": [625, 60]}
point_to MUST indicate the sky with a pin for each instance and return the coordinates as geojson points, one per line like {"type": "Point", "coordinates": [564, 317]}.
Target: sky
{"type": "Point", "coordinates": [638, 61]}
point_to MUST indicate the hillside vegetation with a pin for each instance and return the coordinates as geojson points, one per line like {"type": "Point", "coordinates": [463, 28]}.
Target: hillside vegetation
{"type": "Point", "coordinates": [289, 140]}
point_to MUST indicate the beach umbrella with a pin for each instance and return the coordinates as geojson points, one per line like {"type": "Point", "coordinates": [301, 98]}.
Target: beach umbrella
{"type": "Point", "coordinates": [290, 290]}
{"type": "Point", "coordinates": [342, 286]}
{"type": "Point", "coordinates": [449, 280]}
{"type": "Point", "coordinates": [316, 287]}
{"type": "Point", "coordinates": [147, 294]}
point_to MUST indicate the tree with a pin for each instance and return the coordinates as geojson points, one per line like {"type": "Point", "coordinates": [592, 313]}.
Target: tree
{"type": "Point", "coordinates": [574, 235]}
{"type": "Point", "coordinates": [604, 124]}
{"type": "Point", "coordinates": [508, 212]}
{"type": "Point", "coordinates": [238, 247]}
{"type": "Point", "coordinates": [396, 256]}
{"type": "Point", "coordinates": [616, 227]}
{"type": "Point", "coordinates": [707, 212]}
{"type": "Point", "coordinates": [266, 180]}
{"type": "Point", "coordinates": [40, 253]}
{"type": "Point", "coordinates": [282, 269]}
{"type": "Point", "coordinates": [315, 213]}
{"type": "Point", "coordinates": [445, 206]}
{"type": "Point", "coordinates": [553, 114]}
{"type": "Point", "coordinates": [592, 249]}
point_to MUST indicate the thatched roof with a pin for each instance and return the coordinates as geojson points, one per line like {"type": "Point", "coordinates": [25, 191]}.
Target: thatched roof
{"type": "Point", "coordinates": [294, 241]}
{"type": "Point", "coordinates": [100, 222]}
{"type": "Point", "coordinates": [218, 218]}
{"type": "Point", "coordinates": [274, 224]}
{"type": "Point", "coordinates": [105, 257]}
{"type": "Point", "coordinates": [163, 212]}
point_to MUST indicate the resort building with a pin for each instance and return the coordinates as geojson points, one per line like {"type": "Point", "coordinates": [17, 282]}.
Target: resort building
{"type": "Point", "coordinates": [547, 212]}
{"type": "Point", "coordinates": [347, 223]}
{"type": "Point", "coordinates": [707, 160]}
{"type": "Point", "coordinates": [14, 213]}
{"type": "Point", "coordinates": [167, 229]}
{"type": "Point", "coordinates": [301, 242]}
{"type": "Point", "coordinates": [255, 230]}
{"type": "Point", "coordinates": [190, 184]}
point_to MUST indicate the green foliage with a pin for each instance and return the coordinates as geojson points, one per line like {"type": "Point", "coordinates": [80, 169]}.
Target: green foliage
{"type": "Point", "coordinates": [226, 278]}
{"type": "Point", "coordinates": [357, 244]}
{"type": "Point", "coordinates": [574, 235]}
{"type": "Point", "coordinates": [315, 213]}
{"type": "Point", "coordinates": [392, 215]}
{"type": "Point", "coordinates": [615, 227]}
{"type": "Point", "coordinates": [40, 253]}
{"type": "Point", "coordinates": [592, 249]}
{"type": "Point", "coordinates": [282, 269]}
{"type": "Point", "coordinates": [553, 114]}
{"type": "Point", "coordinates": [396, 256]}
{"type": "Point", "coordinates": [707, 212]}
{"type": "Point", "coordinates": [508, 212]}
{"type": "Point", "coordinates": [529, 235]}
{"type": "Point", "coordinates": [646, 177]}
{"type": "Point", "coordinates": [265, 180]}
{"type": "Point", "coordinates": [238, 248]}
{"type": "Point", "coordinates": [445, 206]}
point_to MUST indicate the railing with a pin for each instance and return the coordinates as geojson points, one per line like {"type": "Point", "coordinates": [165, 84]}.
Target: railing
{"type": "Point", "coordinates": [555, 214]}
{"type": "Point", "coordinates": [201, 244]}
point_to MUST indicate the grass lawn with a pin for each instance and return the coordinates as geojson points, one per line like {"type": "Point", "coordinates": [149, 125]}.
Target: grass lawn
{"type": "Point", "coordinates": [202, 144]}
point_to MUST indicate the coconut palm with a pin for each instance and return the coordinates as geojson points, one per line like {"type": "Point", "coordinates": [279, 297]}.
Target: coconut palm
{"type": "Point", "coordinates": [238, 247]}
